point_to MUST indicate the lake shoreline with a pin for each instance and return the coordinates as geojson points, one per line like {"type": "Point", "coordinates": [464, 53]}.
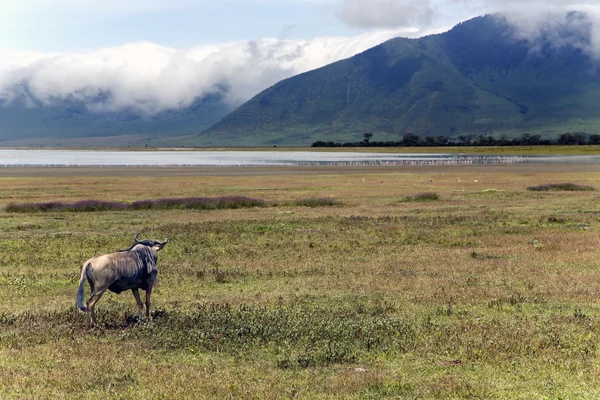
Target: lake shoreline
{"type": "Point", "coordinates": [289, 170]}
{"type": "Point", "coordinates": [467, 150]}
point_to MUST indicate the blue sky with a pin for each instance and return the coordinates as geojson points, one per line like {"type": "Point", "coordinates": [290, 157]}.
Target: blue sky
{"type": "Point", "coordinates": [68, 25]}
{"type": "Point", "coordinates": [72, 25]}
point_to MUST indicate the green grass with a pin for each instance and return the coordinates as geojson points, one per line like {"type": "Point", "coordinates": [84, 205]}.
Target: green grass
{"type": "Point", "coordinates": [475, 295]}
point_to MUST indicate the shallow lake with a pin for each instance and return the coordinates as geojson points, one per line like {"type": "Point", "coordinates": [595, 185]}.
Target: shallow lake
{"type": "Point", "coordinates": [104, 158]}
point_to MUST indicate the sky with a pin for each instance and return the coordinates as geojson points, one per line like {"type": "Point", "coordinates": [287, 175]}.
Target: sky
{"type": "Point", "coordinates": [72, 25]}
{"type": "Point", "coordinates": [152, 55]}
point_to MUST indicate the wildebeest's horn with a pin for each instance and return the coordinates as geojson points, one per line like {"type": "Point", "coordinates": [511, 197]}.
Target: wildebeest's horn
{"type": "Point", "coordinates": [166, 240]}
{"type": "Point", "coordinates": [136, 236]}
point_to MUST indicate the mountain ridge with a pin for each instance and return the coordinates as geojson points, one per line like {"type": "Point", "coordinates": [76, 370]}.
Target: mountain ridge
{"type": "Point", "coordinates": [476, 78]}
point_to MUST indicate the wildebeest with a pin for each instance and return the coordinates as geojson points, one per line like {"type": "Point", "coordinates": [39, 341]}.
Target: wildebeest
{"type": "Point", "coordinates": [134, 268]}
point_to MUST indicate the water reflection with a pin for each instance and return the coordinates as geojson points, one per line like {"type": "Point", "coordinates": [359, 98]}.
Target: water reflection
{"type": "Point", "coordinates": [102, 158]}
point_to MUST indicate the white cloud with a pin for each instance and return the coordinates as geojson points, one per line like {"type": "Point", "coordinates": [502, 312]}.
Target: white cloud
{"type": "Point", "coordinates": [552, 22]}
{"type": "Point", "coordinates": [151, 78]}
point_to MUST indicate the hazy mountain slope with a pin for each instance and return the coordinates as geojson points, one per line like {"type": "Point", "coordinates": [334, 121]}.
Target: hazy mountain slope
{"type": "Point", "coordinates": [476, 78]}
{"type": "Point", "coordinates": [540, 76]}
{"type": "Point", "coordinates": [67, 121]}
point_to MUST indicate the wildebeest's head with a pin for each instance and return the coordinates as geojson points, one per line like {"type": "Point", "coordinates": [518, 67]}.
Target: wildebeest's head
{"type": "Point", "coordinates": [154, 244]}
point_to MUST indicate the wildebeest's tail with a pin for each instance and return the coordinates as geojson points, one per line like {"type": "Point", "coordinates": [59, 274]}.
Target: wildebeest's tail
{"type": "Point", "coordinates": [80, 293]}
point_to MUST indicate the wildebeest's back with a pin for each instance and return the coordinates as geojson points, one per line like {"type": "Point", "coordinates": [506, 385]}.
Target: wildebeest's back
{"type": "Point", "coordinates": [125, 270]}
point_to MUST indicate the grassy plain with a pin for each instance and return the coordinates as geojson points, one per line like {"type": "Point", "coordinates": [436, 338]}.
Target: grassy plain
{"type": "Point", "coordinates": [490, 291]}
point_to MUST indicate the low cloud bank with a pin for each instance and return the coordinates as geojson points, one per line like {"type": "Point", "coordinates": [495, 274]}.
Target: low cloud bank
{"type": "Point", "coordinates": [149, 78]}
{"type": "Point", "coordinates": [577, 27]}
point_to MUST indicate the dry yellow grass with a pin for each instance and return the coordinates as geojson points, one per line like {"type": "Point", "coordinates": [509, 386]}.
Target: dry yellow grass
{"type": "Point", "coordinates": [489, 292]}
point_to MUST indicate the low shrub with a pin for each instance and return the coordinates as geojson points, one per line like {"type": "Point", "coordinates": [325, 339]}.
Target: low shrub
{"type": "Point", "coordinates": [80, 206]}
{"type": "Point", "coordinates": [186, 203]}
{"type": "Point", "coordinates": [199, 203]}
{"type": "Point", "coordinates": [567, 186]}
{"type": "Point", "coordinates": [426, 196]}
{"type": "Point", "coordinates": [316, 202]}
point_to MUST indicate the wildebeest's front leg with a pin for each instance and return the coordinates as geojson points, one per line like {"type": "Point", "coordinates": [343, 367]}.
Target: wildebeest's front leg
{"type": "Point", "coordinates": [136, 294]}
{"type": "Point", "coordinates": [148, 293]}
{"type": "Point", "coordinates": [91, 315]}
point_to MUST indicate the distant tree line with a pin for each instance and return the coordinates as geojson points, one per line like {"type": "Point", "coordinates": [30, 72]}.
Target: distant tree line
{"type": "Point", "coordinates": [412, 140]}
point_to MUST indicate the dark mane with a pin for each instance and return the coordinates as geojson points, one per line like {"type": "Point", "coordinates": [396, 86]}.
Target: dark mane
{"type": "Point", "coordinates": [145, 242]}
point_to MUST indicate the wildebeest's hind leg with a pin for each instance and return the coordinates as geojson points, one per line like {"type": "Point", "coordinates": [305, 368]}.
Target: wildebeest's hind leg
{"type": "Point", "coordinates": [136, 294]}
{"type": "Point", "coordinates": [91, 315]}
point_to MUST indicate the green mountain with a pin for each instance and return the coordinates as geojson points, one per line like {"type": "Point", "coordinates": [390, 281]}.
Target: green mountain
{"type": "Point", "coordinates": [478, 78]}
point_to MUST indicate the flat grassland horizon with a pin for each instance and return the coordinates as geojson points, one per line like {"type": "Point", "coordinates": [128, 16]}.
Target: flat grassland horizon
{"type": "Point", "coordinates": [485, 290]}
